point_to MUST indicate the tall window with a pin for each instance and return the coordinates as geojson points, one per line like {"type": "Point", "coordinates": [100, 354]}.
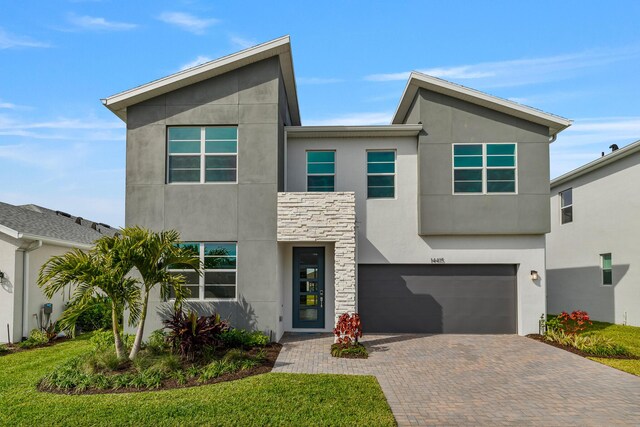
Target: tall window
{"type": "Point", "coordinates": [607, 269]}
{"type": "Point", "coordinates": [566, 206]}
{"type": "Point", "coordinates": [202, 154]}
{"type": "Point", "coordinates": [219, 279]}
{"type": "Point", "coordinates": [381, 174]}
{"type": "Point", "coordinates": [484, 168]}
{"type": "Point", "coordinates": [321, 170]}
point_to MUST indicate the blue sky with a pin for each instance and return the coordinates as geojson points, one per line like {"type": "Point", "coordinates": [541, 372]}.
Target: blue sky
{"type": "Point", "coordinates": [60, 148]}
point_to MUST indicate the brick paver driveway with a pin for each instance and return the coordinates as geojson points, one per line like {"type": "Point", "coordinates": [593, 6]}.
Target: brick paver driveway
{"type": "Point", "coordinates": [478, 379]}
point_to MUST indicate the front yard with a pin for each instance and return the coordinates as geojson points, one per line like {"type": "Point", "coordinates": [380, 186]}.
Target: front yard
{"type": "Point", "coordinates": [268, 399]}
{"type": "Point", "coordinates": [628, 336]}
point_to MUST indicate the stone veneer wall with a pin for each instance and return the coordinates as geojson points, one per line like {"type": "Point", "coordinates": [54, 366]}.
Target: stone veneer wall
{"type": "Point", "coordinates": [325, 217]}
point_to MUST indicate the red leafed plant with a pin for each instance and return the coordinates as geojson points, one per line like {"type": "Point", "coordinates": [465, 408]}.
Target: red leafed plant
{"type": "Point", "coordinates": [348, 329]}
{"type": "Point", "coordinates": [575, 322]}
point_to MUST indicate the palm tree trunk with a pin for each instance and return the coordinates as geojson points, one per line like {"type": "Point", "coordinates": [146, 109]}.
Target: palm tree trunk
{"type": "Point", "coordinates": [116, 331]}
{"type": "Point", "coordinates": [137, 344]}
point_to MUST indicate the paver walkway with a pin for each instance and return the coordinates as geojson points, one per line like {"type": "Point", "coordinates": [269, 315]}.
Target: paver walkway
{"type": "Point", "coordinates": [478, 379]}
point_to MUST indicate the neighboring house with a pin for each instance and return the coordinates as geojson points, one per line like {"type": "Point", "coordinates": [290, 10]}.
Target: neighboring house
{"type": "Point", "coordinates": [29, 236]}
{"type": "Point", "coordinates": [593, 250]}
{"type": "Point", "coordinates": [431, 224]}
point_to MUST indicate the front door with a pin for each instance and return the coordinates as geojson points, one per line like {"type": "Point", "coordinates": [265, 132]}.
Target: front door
{"type": "Point", "coordinates": [308, 288]}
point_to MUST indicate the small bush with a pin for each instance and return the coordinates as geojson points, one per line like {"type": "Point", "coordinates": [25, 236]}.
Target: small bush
{"type": "Point", "coordinates": [103, 360]}
{"type": "Point", "coordinates": [96, 316]}
{"type": "Point", "coordinates": [351, 351]}
{"type": "Point", "coordinates": [103, 340]}
{"type": "Point", "coordinates": [157, 342]}
{"type": "Point", "coordinates": [593, 344]}
{"type": "Point", "coordinates": [348, 329]}
{"type": "Point", "coordinates": [234, 338]}
{"type": "Point", "coordinates": [575, 322]}
{"type": "Point", "coordinates": [36, 338]}
{"type": "Point", "coordinates": [190, 334]}
{"type": "Point", "coordinates": [4, 349]}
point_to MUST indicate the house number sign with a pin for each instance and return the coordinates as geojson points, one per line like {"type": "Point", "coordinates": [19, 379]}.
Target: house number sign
{"type": "Point", "coordinates": [438, 261]}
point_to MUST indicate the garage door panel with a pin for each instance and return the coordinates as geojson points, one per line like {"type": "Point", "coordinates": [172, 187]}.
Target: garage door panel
{"type": "Point", "coordinates": [437, 298]}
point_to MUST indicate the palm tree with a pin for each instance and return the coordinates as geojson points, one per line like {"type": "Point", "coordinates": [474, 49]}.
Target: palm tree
{"type": "Point", "coordinates": [101, 271]}
{"type": "Point", "coordinates": [151, 253]}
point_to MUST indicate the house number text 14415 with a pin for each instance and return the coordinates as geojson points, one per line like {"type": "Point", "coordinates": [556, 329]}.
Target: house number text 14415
{"type": "Point", "coordinates": [437, 261]}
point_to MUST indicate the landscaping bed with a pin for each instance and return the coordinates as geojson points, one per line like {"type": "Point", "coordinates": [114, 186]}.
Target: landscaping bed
{"type": "Point", "coordinates": [574, 350]}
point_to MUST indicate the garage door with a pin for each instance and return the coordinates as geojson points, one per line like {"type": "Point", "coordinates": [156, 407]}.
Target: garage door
{"type": "Point", "coordinates": [426, 298]}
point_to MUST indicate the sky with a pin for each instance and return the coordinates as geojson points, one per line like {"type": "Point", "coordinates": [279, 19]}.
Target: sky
{"type": "Point", "coordinates": [60, 148]}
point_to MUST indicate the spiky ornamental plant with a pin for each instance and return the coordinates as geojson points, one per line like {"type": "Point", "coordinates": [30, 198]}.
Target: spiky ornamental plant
{"type": "Point", "coordinates": [102, 270]}
{"type": "Point", "coordinates": [151, 253]}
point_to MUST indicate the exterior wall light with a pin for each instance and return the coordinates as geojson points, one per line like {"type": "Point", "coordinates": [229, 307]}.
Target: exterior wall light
{"type": "Point", "coordinates": [534, 275]}
{"type": "Point", "coordinates": [1, 275]}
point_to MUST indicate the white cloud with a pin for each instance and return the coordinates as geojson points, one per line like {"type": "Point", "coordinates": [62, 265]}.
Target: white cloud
{"type": "Point", "coordinates": [96, 23]}
{"type": "Point", "coordinates": [8, 105]}
{"type": "Point", "coordinates": [187, 21]}
{"type": "Point", "coordinates": [9, 41]}
{"type": "Point", "coordinates": [379, 118]}
{"type": "Point", "coordinates": [519, 71]}
{"type": "Point", "coordinates": [201, 59]}
{"type": "Point", "coordinates": [241, 42]}
{"type": "Point", "coordinates": [87, 129]}
{"type": "Point", "coordinates": [317, 80]}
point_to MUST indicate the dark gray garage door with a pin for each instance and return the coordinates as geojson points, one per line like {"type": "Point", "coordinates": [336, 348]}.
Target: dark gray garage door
{"type": "Point", "coordinates": [426, 298]}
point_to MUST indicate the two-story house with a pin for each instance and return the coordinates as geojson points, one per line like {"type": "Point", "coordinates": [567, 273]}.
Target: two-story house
{"type": "Point", "coordinates": [592, 251]}
{"type": "Point", "coordinates": [434, 223]}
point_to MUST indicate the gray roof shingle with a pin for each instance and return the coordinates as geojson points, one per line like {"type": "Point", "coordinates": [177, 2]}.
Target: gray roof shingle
{"type": "Point", "coordinates": [43, 222]}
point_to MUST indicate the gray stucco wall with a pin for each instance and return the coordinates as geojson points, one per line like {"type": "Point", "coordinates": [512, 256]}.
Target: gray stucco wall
{"type": "Point", "coordinates": [447, 120]}
{"type": "Point", "coordinates": [251, 98]}
{"type": "Point", "coordinates": [606, 208]}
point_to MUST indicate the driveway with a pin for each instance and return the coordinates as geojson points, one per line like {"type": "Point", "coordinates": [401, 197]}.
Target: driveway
{"type": "Point", "coordinates": [478, 379]}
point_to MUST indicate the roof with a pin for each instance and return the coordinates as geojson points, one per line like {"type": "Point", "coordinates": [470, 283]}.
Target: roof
{"type": "Point", "coordinates": [280, 47]}
{"type": "Point", "coordinates": [38, 223]}
{"type": "Point", "coordinates": [352, 131]}
{"type": "Point", "coordinates": [614, 156]}
{"type": "Point", "coordinates": [434, 84]}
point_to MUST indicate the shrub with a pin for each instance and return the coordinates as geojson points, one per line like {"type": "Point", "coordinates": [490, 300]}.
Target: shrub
{"type": "Point", "coordinates": [103, 340]}
{"type": "Point", "coordinates": [575, 322]}
{"type": "Point", "coordinates": [348, 329]}
{"type": "Point", "coordinates": [36, 338]}
{"type": "Point", "coordinates": [96, 316]}
{"type": "Point", "coordinates": [190, 334]}
{"type": "Point", "coordinates": [4, 349]}
{"type": "Point", "coordinates": [234, 338]}
{"type": "Point", "coordinates": [157, 342]}
{"type": "Point", "coordinates": [352, 351]}
{"type": "Point", "coordinates": [553, 324]}
{"type": "Point", "coordinates": [104, 360]}
{"type": "Point", "coordinates": [594, 344]}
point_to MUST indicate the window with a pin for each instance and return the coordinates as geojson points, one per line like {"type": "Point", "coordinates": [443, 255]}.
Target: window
{"type": "Point", "coordinates": [219, 279]}
{"type": "Point", "coordinates": [607, 269]}
{"type": "Point", "coordinates": [381, 174]}
{"type": "Point", "coordinates": [202, 154]}
{"type": "Point", "coordinates": [321, 170]}
{"type": "Point", "coordinates": [566, 206]}
{"type": "Point", "coordinates": [484, 168]}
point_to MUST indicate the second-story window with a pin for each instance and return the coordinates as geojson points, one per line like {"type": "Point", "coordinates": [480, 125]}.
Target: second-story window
{"type": "Point", "coordinates": [321, 170]}
{"type": "Point", "coordinates": [381, 174]}
{"type": "Point", "coordinates": [202, 154]}
{"type": "Point", "coordinates": [607, 269]}
{"type": "Point", "coordinates": [484, 168]}
{"type": "Point", "coordinates": [566, 206]}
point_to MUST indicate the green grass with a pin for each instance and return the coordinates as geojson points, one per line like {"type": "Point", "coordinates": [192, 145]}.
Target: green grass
{"type": "Point", "coordinates": [628, 336]}
{"type": "Point", "coordinates": [270, 399]}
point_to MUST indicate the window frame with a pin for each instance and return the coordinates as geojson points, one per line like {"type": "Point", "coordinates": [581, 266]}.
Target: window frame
{"type": "Point", "coordinates": [307, 174]}
{"type": "Point", "coordinates": [484, 169]}
{"type": "Point", "coordinates": [202, 154]}
{"type": "Point", "coordinates": [394, 174]}
{"type": "Point", "coordinates": [202, 278]}
{"type": "Point", "coordinates": [562, 208]}
{"type": "Point", "coordinates": [603, 270]}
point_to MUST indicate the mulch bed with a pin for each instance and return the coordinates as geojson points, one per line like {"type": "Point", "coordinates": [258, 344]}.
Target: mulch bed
{"type": "Point", "coordinates": [574, 350]}
{"type": "Point", "coordinates": [272, 351]}
{"type": "Point", "coordinates": [13, 348]}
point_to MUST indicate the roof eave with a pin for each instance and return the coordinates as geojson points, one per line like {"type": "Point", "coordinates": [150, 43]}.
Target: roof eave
{"type": "Point", "coordinates": [280, 47]}
{"type": "Point", "coordinates": [418, 80]}
{"type": "Point", "coordinates": [352, 131]}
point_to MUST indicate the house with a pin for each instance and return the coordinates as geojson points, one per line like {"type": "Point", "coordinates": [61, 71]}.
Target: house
{"type": "Point", "coordinates": [433, 223]}
{"type": "Point", "coordinates": [593, 255]}
{"type": "Point", "coordinates": [29, 236]}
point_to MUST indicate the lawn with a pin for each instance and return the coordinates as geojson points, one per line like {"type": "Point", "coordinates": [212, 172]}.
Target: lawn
{"type": "Point", "coordinates": [269, 399]}
{"type": "Point", "coordinates": [628, 336]}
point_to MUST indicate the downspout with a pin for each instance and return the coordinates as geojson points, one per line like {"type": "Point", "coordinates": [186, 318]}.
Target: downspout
{"type": "Point", "coordinates": [553, 138]}
{"type": "Point", "coordinates": [25, 286]}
